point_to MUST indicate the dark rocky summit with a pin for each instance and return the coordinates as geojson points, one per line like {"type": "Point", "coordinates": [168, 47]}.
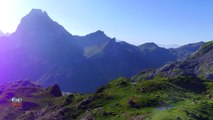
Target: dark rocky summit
{"type": "Point", "coordinates": [55, 91]}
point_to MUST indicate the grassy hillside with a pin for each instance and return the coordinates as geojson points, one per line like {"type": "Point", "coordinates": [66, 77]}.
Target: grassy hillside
{"type": "Point", "coordinates": [179, 98]}
{"type": "Point", "coordinates": [157, 99]}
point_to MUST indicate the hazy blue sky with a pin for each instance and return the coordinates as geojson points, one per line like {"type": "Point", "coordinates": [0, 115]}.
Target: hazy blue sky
{"type": "Point", "coordinates": [134, 21]}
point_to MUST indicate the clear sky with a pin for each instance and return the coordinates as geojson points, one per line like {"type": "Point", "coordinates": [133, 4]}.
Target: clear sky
{"type": "Point", "coordinates": [134, 21]}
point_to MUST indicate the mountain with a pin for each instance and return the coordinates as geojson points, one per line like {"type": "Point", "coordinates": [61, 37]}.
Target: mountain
{"type": "Point", "coordinates": [183, 96]}
{"type": "Point", "coordinates": [1, 33]}
{"type": "Point", "coordinates": [43, 51]}
{"type": "Point", "coordinates": [160, 56]}
{"type": "Point", "coordinates": [156, 55]}
{"type": "Point", "coordinates": [198, 65]}
{"type": "Point", "coordinates": [169, 45]}
{"type": "Point", "coordinates": [186, 50]}
{"type": "Point", "coordinates": [39, 49]}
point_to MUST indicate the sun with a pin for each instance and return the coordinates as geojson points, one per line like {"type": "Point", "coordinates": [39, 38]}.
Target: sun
{"type": "Point", "coordinates": [5, 8]}
{"type": "Point", "coordinates": [6, 18]}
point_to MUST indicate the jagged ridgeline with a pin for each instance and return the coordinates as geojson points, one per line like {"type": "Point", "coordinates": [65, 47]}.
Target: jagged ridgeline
{"type": "Point", "coordinates": [43, 51]}
{"type": "Point", "coordinates": [180, 91]}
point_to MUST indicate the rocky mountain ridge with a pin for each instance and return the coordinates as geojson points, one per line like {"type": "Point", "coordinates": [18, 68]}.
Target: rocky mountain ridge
{"type": "Point", "coordinates": [43, 51]}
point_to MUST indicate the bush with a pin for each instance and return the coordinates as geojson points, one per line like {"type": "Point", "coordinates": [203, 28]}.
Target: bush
{"type": "Point", "coordinates": [192, 84]}
{"type": "Point", "coordinates": [143, 101]}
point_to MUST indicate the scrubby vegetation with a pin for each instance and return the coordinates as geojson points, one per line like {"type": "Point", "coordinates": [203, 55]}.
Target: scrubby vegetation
{"type": "Point", "coordinates": [157, 99]}
{"type": "Point", "coordinates": [160, 98]}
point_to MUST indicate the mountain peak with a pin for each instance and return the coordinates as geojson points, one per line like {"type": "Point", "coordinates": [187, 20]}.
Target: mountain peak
{"type": "Point", "coordinates": [38, 21]}
{"type": "Point", "coordinates": [148, 46]}
{"type": "Point", "coordinates": [34, 20]}
{"type": "Point", "coordinates": [97, 33]}
{"type": "Point", "coordinates": [100, 32]}
{"type": "Point", "coordinates": [38, 12]}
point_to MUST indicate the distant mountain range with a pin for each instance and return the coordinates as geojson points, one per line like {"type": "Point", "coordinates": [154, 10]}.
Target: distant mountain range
{"type": "Point", "coordinates": [198, 65]}
{"type": "Point", "coordinates": [3, 34]}
{"type": "Point", "coordinates": [43, 51]}
{"type": "Point", "coordinates": [169, 45]}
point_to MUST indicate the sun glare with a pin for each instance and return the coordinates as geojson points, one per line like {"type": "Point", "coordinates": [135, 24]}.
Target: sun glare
{"type": "Point", "coordinates": [6, 17]}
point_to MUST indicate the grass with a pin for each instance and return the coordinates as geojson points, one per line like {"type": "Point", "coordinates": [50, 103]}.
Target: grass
{"type": "Point", "coordinates": [114, 99]}
{"type": "Point", "coordinates": [120, 99]}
